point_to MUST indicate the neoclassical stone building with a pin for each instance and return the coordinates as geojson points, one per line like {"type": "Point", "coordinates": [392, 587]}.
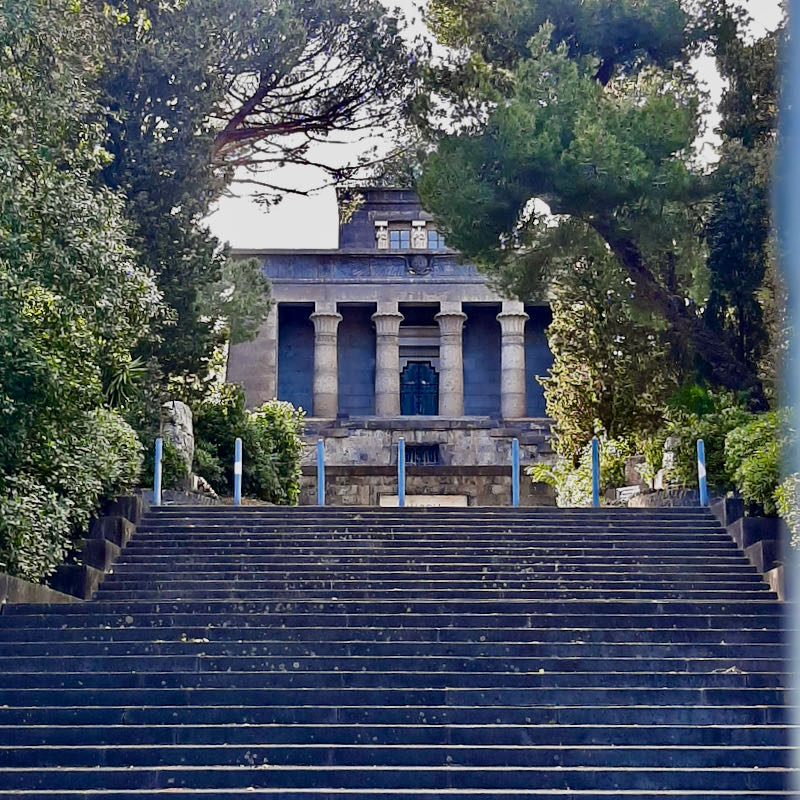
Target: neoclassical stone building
{"type": "Point", "coordinates": [390, 335]}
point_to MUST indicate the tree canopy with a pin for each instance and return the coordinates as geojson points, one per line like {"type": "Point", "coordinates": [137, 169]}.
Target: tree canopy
{"type": "Point", "coordinates": [598, 120]}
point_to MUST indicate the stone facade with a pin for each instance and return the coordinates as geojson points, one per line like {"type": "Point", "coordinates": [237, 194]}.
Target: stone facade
{"type": "Point", "coordinates": [392, 335]}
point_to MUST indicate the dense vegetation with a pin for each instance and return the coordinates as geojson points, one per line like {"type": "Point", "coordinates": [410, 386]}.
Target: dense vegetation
{"type": "Point", "coordinates": [120, 123]}
{"type": "Point", "coordinates": [662, 271]}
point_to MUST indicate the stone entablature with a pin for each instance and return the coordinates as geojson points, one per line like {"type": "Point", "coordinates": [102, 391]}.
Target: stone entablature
{"type": "Point", "coordinates": [313, 266]}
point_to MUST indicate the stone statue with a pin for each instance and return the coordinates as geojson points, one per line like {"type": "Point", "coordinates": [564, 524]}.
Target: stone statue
{"type": "Point", "coordinates": [179, 430]}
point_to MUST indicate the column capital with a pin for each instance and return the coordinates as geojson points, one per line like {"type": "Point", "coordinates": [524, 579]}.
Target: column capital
{"type": "Point", "coordinates": [387, 323]}
{"type": "Point", "coordinates": [451, 322]}
{"type": "Point", "coordinates": [326, 321]}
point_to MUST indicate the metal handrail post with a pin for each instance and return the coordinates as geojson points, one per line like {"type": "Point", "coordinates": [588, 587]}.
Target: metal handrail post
{"type": "Point", "coordinates": [237, 472]}
{"type": "Point", "coordinates": [401, 472]}
{"type": "Point", "coordinates": [320, 472]}
{"type": "Point", "coordinates": [157, 471]}
{"type": "Point", "coordinates": [595, 473]}
{"type": "Point", "coordinates": [515, 472]}
{"type": "Point", "coordinates": [701, 472]}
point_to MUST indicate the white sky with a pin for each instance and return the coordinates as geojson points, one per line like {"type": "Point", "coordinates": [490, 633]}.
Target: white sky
{"type": "Point", "coordinates": [311, 222]}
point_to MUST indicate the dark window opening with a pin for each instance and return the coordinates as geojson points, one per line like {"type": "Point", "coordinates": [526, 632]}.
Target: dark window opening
{"type": "Point", "coordinates": [422, 455]}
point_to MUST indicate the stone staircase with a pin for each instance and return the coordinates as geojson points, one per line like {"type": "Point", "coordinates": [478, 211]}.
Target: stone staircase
{"type": "Point", "coordinates": [364, 653]}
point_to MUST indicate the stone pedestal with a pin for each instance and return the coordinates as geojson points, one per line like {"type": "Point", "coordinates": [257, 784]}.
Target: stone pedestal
{"type": "Point", "coordinates": [512, 321]}
{"type": "Point", "coordinates": [451, 360]}
{"type": "Point", "coordinates": [326, 362]}
{"type": "Point", "coordinates": [387, 321]}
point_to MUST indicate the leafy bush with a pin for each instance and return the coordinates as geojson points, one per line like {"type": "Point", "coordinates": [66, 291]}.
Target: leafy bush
{"type": "Point", "coordinates": [35, 530]}
{"type": "Point", "coordinates": [752, 460]}
{"type": "Point", "coordinates": [573, 484]}
{"type": "Point", "coordinates": [685, 427]}
{"type": "Point", "coordinates": [787, 500]}
{"type": "Point", "coordinates": [271, 445]}
{"type": "Point", "coordinates": [61, 484]}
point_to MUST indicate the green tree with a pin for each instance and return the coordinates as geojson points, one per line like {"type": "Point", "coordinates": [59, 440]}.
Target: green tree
{"type": "Point", "coordinates": [73, 302]}
{"type": "Point", "coordinates": [597, 123]}
{"type": "Point", "coordinates": [195, 90]}
{"type": "Point", "coordinates": [744, 301]}
{"type": "Point", "coordinates": [610, 366]}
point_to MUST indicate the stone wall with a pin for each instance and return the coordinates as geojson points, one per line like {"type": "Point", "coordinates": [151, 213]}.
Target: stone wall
{"type": "Point", "coordinates": [364, 486]}
{"type": "Point", "coordinates": [469, 441]}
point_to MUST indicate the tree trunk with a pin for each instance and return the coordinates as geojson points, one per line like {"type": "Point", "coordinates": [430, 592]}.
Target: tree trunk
{"type": "Point", "coordinates": [711, 347]}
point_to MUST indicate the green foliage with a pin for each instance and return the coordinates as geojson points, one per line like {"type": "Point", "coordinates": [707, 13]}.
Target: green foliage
{"type": "Point", "coordinates": [271, 445]}
{"type": "Point", "coordinates": [35, 531]}
{"type": "Point", "coordinates": [573, 484]}
{"type": "Point", "coordinates": [609, 366]}
{"type": "Point", "coordinates": [787, 500]}
{"type": "Point", "coordinates": [58, 486]}
{"type": "Point", "coordinates": [753, 458]}
{"type": "Point", "coordinates": [556, 101]}
{"type": "Point", "coordinates": [73, 303]}
{"type": "Point", "coordinates": [684, 427]}
{"type": "Point", "coordinates": [240, 301]}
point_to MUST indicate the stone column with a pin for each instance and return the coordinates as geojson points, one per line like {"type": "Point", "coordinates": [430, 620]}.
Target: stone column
{"type": "Point", "coordinates": [451, 359]}
{"type": "Point", "coordinates": [387, 321]}
{"type": "Point", "coordinates": [512, 359]}
{"type": "Point", "coordinates": [326, 362]}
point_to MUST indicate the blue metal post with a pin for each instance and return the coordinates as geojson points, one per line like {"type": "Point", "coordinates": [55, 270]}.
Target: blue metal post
{"type": "Point", "coordinates": [595, 472]}
{"type": "Point", "coordinates": [515, 472]}
{"type": "Point", "coordinates": [320, 472]}
{"type": "Point", "coordinates": [701, 472]}
{"type": "Point", "coordinates": [157, 472]}
{"type": "Point", "coordinates": [237, 472]}
{"type": "Point", "coordinates": [401, 472]}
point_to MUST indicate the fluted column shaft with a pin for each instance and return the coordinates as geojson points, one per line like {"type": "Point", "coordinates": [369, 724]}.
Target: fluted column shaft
{"type": "Point", "coordinates": [451, 360]}
{"type": "Point", "coordinates": [387, 321]}
{"type": "Point", "coordinates": [326, 361]}
{"type": "Point", "coordinates": [512, 319]}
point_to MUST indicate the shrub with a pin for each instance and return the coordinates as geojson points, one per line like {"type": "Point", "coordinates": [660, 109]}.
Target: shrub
{"type": "Point", "coordinates": [35, 530]}
{"type": "Point", "coordinates": [787, 500]}
{"type": "Point", "coordinates": [271, 445]}
{"type": "Point", "coordinates": [685, 427]}
{"type": "Point", "coordinates": [573, 484]}
{"type": "Point", "coordinates": [752, 460]}
{"type": "Point", "coordinates": [75, 470]}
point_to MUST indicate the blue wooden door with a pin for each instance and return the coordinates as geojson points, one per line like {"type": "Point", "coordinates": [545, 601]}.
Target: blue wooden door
{"type": "Point", "coordinates": [419, 389]}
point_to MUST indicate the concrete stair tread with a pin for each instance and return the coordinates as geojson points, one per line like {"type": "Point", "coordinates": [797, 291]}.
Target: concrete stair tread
{"type": "Point", "coordinates": [418, 654]}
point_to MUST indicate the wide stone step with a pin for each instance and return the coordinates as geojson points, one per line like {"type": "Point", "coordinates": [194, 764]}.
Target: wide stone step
{"type": "Point", "coordinates": [61, 714]}
{"type": "Point", "coordinates": [203, 662]}
{"type": "Point", "coordinates": [662, 635]}
{"type": "Point", "coordinates": [418, 583]}
{"type": "Point", "coordinates": [519, 696]}
{"type": "Point", "coordinates": [335, 593]}
{"type": "Point", "coordinates": [370, 755]}
{"type": "Point", "coordinates": [60, 678]}
{"type": "Point", "coordinates": [413, 648]}
{"type": "Point", "coordinates": [161, 530]}
{"type": "Point", "coordinates": [406, 794]}
{"type": "Point", "coordinates": [411, 777]}
{"type": "Point", "coordinates": [125, 571]}
{"type": "Point", "coordinates": [557, 735]}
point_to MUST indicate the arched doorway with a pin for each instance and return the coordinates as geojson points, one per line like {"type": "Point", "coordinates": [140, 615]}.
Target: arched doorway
{"type": "Point", "coordinates": [419, 389]}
